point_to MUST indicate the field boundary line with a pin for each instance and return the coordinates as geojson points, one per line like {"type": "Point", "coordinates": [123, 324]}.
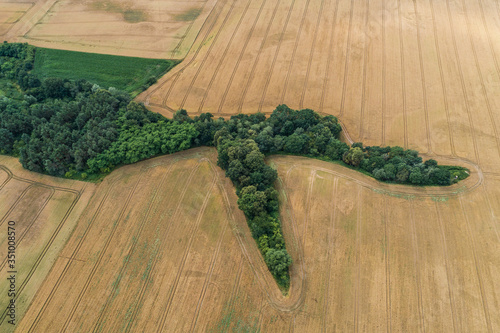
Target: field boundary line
{"type": "Point", "coordinates": [9, 176]}
{"type": "Point", "coordinates": [177, 47]}
{"type": "Point", "coordinates": [326, 80]}
{"type": "Point", "coordinates": [135, 240]}
{"type": "Point", "coordinates": [484, 300]}
{"type": "Point", "coordinates": [148, 280]}
{"type": "Point", "coordinates": [299, 33]}
{"type": "Point", "coordinates": [384, 73]}
{"type": "Point", "coordinates": [33, 220]}
{"type": "Point", "coordinates": [177, 71]}
{"type": "Point", "coordinates": [101, 255]}
{"type": "Point", "coordinates": [256, 61]}
{"type": "Point", "coordinates": [44, 251]}
{"type": "Point", "coordinates": [448, 275]}
{"type": "Point", "coordinates": [235, 69]}
{"type": "Point", "coordinates": [271, 70]}
{"type": "Point", "coordinates": [185, 255]}
{"type": "Point", "coordinates": [193, 80]}
{"type": "Point", "coordinates": [311, 54]}
{"type": "Point", "coordinates": [221, 60]}
{"type": "Point", "coordinates": [416, 263]}
{"type": "Point", "coordinates": [331, 232]}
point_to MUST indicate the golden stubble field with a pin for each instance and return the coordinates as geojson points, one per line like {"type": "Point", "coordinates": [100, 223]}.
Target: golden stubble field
{"type": "Point", "coordinates": [148, 29]}
{"type": "Point", "coordinates": [162, 247]}
{"type": "Point", "coordinates": [43, 212]}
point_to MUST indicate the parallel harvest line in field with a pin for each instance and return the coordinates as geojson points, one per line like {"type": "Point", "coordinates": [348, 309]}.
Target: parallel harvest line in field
{"type": "Point", "coordinates": [443, 85]}
{"type": "Point", "coordinates": [403, 76]}
{"type": "Point", "coordinates": [297, 38]}
{"type": "Point", "coordinates": [480, 280]}
{"type": "Point", "coordinates": [464, 91]}
{"type": "Point", "coordinates": [14, 205]}
{"type": "Point", "coordinates": [235, 69]}
{"type": "Point", "coordinates": [60, 278]}
{"type": "Point", "coordinates": [259, 52]}
{"type": "Point", "coordinates": [98, 322]}
{"type": "Point", "coordinates": [416, 261]}
{"type": "Point", "coordinates": [384, 75]}
{"type": "Point", "coordinates": [447, 265]}
{"type": "Point", "coordinates": [357, 261]}
{"type": "Point", "coordinates": [147, 279]}
{"type": "Point", "coordinates": [333, 215]}
{"type": "Point", "coordinates": [422, 79]}
{"type": "Point", "coordinates": [346, 64]}
{"type": "Point", "coordinates": [311, 56]}
{"type": "Point", "coordinates": [387, 270]}
{"type": "Point", "coordinates": [326, 80]}
{"type": "Point", "coordinates": [176, 48]}
{"type": "Point", "coordinates": [214, 42]}
{"type": "Point", "coordinates": [478, 69]}
{"type": "Point", "coordinates": [268, 80]}
{"type": "Point", "coordinates": [179, 73]}
{"type": "Point", "coordinates": [101, 255]}
{"type": "Point", "coordinates": [193, 231]}
{"type": "Point", "coordinates": [44, 251]}
{"type": "Point", "coordinates": [210, 270]}
{"type": "Point", "coordinates": [30, 224]}
{"type": "Point", "coordinates": [365, 61]}
{"type": "Point", "coordinates": [221, 60]}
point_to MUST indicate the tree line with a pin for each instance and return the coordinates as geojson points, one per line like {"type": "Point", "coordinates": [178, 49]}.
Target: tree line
{"type": "Point", "coordinates": [77, 129]}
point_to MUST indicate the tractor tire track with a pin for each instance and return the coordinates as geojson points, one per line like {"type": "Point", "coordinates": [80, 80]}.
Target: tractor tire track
{"type": "Point", "coordinates": [358, 262]}
{"type": "Point", "coordinates": [476, 265]}
{"type": "Point", "coordinates": [346, 65]}
{"type": "Point", "coordinates": [403, 76]}
{"type": "Point", "coordinates": [268, 80]}
{"type": "Point", "coordinates": [214, 42]}
{"type": "Point", "coordinates": [443, 85]}
{"type": "Point", "coordinates": [97, 326]}
{"type": "Point", "coordinates": [331, 231]}
{"type": "Point", "coordinates": [214, 75]}
{"type": "Point", "coordinates": [387, 271]}
{"type": "Point", "coordinates": [422, 80]}
{"type": "Point", "coordinates": [148, 279]}
{"type": "Point", "coordinates": [254, 66]}
{"type": "Point", "coordinates": [185, 255]}
{"type": "Point", "coordinates": [101, 255]}
{"type": "Point", "coordinates": [416, 263]}
{"type": "Point", "coordinates": [311, 55]}
{"type": "Point", "coordinates": [363, 84]}
{"type": "Point", "coordinates": [464, 90]}
{"type": "Point", "coordinates": [299, 33]}
{"type": "Point", "coordinates": [447, 265]}
{"type": "Point", "coordinates": [235, 69]}
{"type": "Point", "coordinates": [326, 81]}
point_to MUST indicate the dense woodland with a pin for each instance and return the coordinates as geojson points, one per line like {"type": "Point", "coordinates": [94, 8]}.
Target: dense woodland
{"type": "Point", "coordinates": [77, 129]}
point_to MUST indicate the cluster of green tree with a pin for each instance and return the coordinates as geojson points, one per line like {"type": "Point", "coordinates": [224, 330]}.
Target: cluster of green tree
{"type": "Point", "coordinates": [395, 164]}
{"type": "Point", "coordinates": [64, 127]}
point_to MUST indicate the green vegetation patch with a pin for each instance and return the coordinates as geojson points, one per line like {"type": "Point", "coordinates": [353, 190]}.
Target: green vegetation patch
{"type": "Point", "coordinates": [129, 74]}
{"type": "Point", "coordinates": [189, 15]}
{"type": "Point", "coordinates": [130, 15]}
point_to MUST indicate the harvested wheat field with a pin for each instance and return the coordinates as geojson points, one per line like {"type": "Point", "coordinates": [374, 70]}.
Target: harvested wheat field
{"type": "Point", "coordinates": [148, 29]}
{"type": "Point", "coordinates": [42, 212]}
{"type": "Point", "coordinates": [162, 247]}
{"type": "Point", "coordinates": [11, 12]}
{"type": "Point", "coordinates": [419, 74]}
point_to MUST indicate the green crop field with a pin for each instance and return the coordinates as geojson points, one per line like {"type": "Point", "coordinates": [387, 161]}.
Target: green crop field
{"type": "Point", "coordinates": [130, 74]}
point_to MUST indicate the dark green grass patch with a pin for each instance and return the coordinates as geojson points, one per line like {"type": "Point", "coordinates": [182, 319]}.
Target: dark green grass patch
{"type": "Point", "coordinates": [129, 74]}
